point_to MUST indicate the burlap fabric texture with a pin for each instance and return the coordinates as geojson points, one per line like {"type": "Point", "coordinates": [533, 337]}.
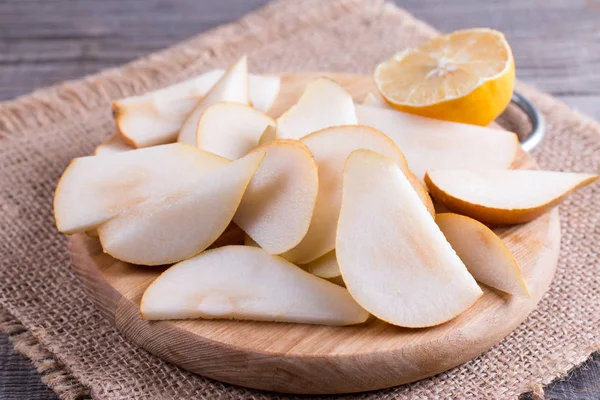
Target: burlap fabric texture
{"type": "Point", "coordinates": [51, 320]}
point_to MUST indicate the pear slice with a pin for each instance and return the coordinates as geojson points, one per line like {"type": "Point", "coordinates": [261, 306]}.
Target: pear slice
{"type": "Point", "coordinates": [278, 204]}
{"type": "Point", "coordinates": [114, 144]}
{"type": "Point", "coordinates": [232, 235]}
{"type": "Point", "coordinates": [327, 267]}
{"type": "Point", "coordinates": [330, 148]}
{"type": "Point", "coordinates": [264, 90]}
{"type": "Point", "coordinates": [232, 87]}
{"type": "Point", "coordinates": [433, 144]}
{"type": "Point", "coordinates": [393, 258]}
{"type": "Point", "coordinates": [323, 104]}
{"type": "Point", "coordinates": [247, 283]}
{"type": "Point", "coordinates": [157, 117]}
{"type": "Point", "coordinates": [501, 197]}
{"type": "Point", "coordinates": [231, 129]}
{"type": "Point", "coordinates": [375, 100]}
{"type": "Point", "coordinates": [94, 189]}
{"type": "Point", "coordinates": [179, 225]}
{"type": "Point", "coordinates": [484, 254]}
{"type": "Point", "coordinates": [421, 190]}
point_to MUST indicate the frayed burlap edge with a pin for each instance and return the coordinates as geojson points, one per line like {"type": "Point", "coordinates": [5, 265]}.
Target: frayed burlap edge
{"type": "Point", "coordinates": [53, 373]}
{"type": "Point", "coordinates": [71, 99]}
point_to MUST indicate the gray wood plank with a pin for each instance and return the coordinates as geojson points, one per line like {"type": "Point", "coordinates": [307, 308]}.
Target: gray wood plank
{"type": "Point", "coordinates": [556, 44]}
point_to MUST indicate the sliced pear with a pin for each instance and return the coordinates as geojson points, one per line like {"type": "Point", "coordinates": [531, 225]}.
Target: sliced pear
{"type": "Point", "coordinates": [247, 283]}
{"type": "Point", "coordinates": [375, 100]}
{"type": "Point", "coordinates": [326, 267]}
{"type": "Point", "coordinates": [93, 189]}
{"type": "Point", "coordinates": [264, 90]}
{"type": "Point", "coordinates": [114, 144]}
{"type": "Point", "coordinates": [167, 229]}
{"type": "Point", "coordinates": [323, 104]}
{"type": "Point", "coordinates": [157, 117]}
{"type": "Point", "coordinates": [232, 87]}
{"type": "Point", "coordinates": [393, 258]}
{"type": "Point", "coordinates": [433, 144]}
{"type": "Point", "coordinates": [269, 134]}
{"type": "Point", "coordinates": [484, 254]}
{"type": "Point", "coordinates": [231, 129]}
{"type": "Point", "coordinates": [421, 191]}
{"type": "Point", "coordinates": [502, 197]}
{"type": "Point", "coordinates": [278, 204]}
{"type": "Point", "coordinates": [330, 148]}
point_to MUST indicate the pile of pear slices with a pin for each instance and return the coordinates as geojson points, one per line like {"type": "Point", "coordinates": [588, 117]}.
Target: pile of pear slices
{"type": "Point", "coordinates": [331, 197]}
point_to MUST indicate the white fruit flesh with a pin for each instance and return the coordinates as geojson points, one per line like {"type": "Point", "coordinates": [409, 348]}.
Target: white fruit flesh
{"type": "Point", "coordinates": [114, 144]}
{"type": "Point", "coordinates": [484, 254]}
{"type": "Point", "coordinates": [157, 117]}
{"type": "Point", "coordinates": [393, 258]}
{"type": "Point", "coordinates": [278, 204]}
{"type": "Point", "coordinates": [231, 130]}
{"type": "Point", "coordinates": [330, 148]}
{"type": "Point", "coordinates": [503, 197]}
{"type": "Point", "coordinates": [430, 144]}
{"type": "Point", "coordinates": [325, 266]}
{"type": "Point", "coordinates": [170, 228]}
{"type": "Point", "coordinates": [241, 282]}
{"type": "Point", "coordinates": [323, 104]}
{"type": "Point", "coordinates": [232, 87]}
{"type": "Point", "coordinates": [375, 100]}
{"type": "Point", "coordinates": [93, 190]}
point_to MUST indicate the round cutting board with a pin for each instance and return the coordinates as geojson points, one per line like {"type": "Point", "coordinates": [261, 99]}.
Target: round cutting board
{"type": "Point", "coordinates": [311, 359]}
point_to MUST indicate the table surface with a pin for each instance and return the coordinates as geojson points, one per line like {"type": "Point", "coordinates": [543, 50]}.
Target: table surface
{"type": "Point", "coordinates": [556, 44]}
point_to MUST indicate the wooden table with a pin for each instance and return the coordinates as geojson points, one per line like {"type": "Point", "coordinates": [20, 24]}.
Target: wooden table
{"type": "Point", "coordinates": [556, 44]}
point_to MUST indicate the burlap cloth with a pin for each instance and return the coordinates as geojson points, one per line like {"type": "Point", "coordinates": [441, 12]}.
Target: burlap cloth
{"type": "Point", "coordinates": [79, 354]}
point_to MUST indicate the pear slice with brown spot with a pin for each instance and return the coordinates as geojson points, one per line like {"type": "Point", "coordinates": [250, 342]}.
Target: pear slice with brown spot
{"type": "Point", "coordinates": [330, 148]}
{"type": "Point", "coordinates": [278, 204]}
{"type": "Point", "coordinates": [484, 254]}
{"type": "Point", "coordinates": [394, 259]}
{"type": "Point", "coordinates": [94, 189]}
{"type": "Point", "coordinates": [247, 283]}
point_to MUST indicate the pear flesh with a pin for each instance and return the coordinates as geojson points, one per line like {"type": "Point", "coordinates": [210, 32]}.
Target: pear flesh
{"type": "Point", "coordinates": [232, 87]}
{"type": "Point", "coordinates": [375, 100]}
{"type": "Point", "coordinates": [330, 148]}
{"type": "Point", "coordinates": [180, 224]}
{"type": "Point", "coordinates": [484, 254]}
{"type": "Point", "coordinates": [278, 204]}
{"type": "Point", "coordinates": [433, 144]}
{"type": "Point", "coordinates": [393, 258]}
{"type": "Point", "coordinates": [157, 117]}
{"type": "Point", "coordinates": [94, 189]}
{"type": "Point", "coordinates": [231, 130]}
{"type": "Point", "coordinates": [114, 144]}
{"type": "Point", "coordinates": [323, 104]}
{"type": "Point", "coordinates": [501, 197]}
{"type": "Point", "coordinates": [247, 283]}
{"type": "Point", "coordinates": [326, 267]}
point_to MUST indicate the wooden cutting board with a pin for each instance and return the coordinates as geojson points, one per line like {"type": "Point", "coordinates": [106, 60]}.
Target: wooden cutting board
{"type": "Point", "coordinates": [310, 359]}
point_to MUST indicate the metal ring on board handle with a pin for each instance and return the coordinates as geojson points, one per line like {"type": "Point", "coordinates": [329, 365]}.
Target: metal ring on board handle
{"type": "Point", "coordinates": [538, 124]}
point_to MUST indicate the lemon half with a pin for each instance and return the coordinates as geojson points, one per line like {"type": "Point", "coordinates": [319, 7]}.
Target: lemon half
{"type": "Point", "coordinates": [466, 76]}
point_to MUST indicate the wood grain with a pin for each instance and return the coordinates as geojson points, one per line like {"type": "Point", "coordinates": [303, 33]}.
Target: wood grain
{"type": "Point", "coordinates": [310, 359]}
{"type": "Point", "coordinates": [555, 42]}
{"type": "Point", "coordinates": [43, 43]}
